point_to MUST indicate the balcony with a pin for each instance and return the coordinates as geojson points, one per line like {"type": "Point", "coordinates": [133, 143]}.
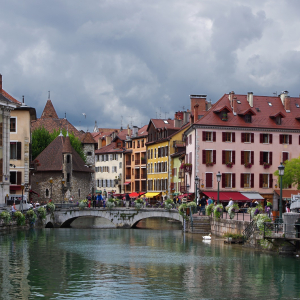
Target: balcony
{"type": "Point", "coordinates": [186, 168]}
{"type": "Point", "coordinates": [128, 163]}
{"type": "Point", "coordinates": [137, 176]}
{"type": "Point", "coordinates": [128, 176]}
{"type": "Point", "coordinates": [144, 176]}
{"type": "Point", "coordinates": [143, 161]}
{"type": "Point", "coordinates": [137, 162]}
{"type": "Point", "coordinates": [183, 189]}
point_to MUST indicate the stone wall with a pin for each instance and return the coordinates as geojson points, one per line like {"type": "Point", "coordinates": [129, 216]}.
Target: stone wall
{"type": "Point", "coordinates": [222, 226]}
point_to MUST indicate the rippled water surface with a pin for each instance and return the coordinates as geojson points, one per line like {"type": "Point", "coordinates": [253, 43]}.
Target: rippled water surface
{"type": "Point", "coordinates": [138, 264]}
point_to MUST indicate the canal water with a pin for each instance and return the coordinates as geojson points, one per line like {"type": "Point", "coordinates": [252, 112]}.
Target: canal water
{"type": "Point", "coordinates": [138, 264]}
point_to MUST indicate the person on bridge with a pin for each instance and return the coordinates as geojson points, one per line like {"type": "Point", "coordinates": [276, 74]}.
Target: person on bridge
{"type": "Point", "coordinates": [94, 200]}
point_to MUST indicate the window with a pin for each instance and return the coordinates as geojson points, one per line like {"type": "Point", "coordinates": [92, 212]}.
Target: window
{"type": "Point", "coordinates": [68, 177]}
{"type": "Point", "coordinates": [285, 139]}
{"type": "Point", "coordinates": [47, 193]}
{"type": "Point", "coordinates": [247, 157]}
{"type": "Point", "coordinates": [209, 180]}
{"type": "Point", "coordinates": [68, 158]}
{"type": "Point", "coordinates": [78, 193]}
{"type": "Point", "coordinates": [228, 137]}
{"type": "Point", "coordinates": [13, 125]}
{"type": "Point", "coordinates": [151, 153]}
{"type": "Point", "coordinates": [265, 138]}
{"type": "Point", "coordinates": [208, 156]}
{"type": "Point", "coordinates": [265, 158]}
{"type": "Point", "coordinates": [247, 137]}
{"type": "Point", "coordinates": [278, 120]}
{"type": "Point", "coordinates": [120, 165]}
{"type": "Point", "coordinates": [285, 156]}
{"type": "Point", "coordinates": [15, 150]}
{"type": "Point", "coordinates": [190, 139]}
{"type": "Point", "coordinates": [247, 180]}
{"type": "Point", "coordinates": [228, 156]}
{"type": "Point", "coordinates": [248, 118]}
{"type": "Point", "coordinates": [228, 180]}
{"type": "Point", "coordinates": [209, 136]}
{"type": "Point", "coordinates": [89, 153]}
{"type": "Point", "coordinates": [155, 153]}
{"type": "Point", "coordinates": [15, 177]}
{"type": "Point", "coordinates": [265, 180]}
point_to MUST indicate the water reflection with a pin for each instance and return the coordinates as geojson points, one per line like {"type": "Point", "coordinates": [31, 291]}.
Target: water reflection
{"type": "Point", "coordinates": [138, 264]}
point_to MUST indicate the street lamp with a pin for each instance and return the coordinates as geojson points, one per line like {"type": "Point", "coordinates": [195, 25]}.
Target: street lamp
{"type": "Point", "coordinates": [196, 189]}
{"type": "Point", "coordinates": [51, 182]}
{"type": "Point", "coordinates": [281, 173]}
{"type": "Point", "coordinates": [21, 205]}
{"type": "Point", "coordinates": [219, 175]}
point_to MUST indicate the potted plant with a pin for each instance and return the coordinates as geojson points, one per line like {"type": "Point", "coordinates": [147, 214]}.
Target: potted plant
{"type": "Point", "coordinates": [209, 164]}
{"type": "Point", "coordinates": [169, 203]}
{"type": "Point", "coordinates": [50, 207]}
{"type": "Point", "coordinates": [248, 165]}
{"type": "Point", "coordinates": [110, 203]}
{"type": "Point", "coordinates": [266, 165]}
{"type": "Point", "coordinates": [229, 164]}
{"type": "Point", "coordinates": [209, 209]}
{"type": "Point", "coordinates": [218, 209]}
{"type": "Point", "coordinates": [41, 212]}
{"type": "Point", "coordinates": [186, 166]}
{"type": "Point", "coordinates": [232, 209]}
{"type": "Point", "coordinates": [5, 216]}
{"type": "Point", "coordinates": [82, 204]}
{"type": "Point", "coordinates": [31, 216]}
{"type": "Point", "coordinates": [193, 206]}
{"type": "Point", "coordinates": [224, 116]}
{"type": "Point", "coordinates": [139, 203]}
{"type": "Point", "coordinates": [20, 218]}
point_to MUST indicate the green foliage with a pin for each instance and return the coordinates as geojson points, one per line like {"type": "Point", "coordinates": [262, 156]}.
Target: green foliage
{"type": "Point", "coordinates": [218, 209]}
{"type": "Point", "coordinates": [233, 235]}
{"type": "Point", "coordinates": [20, 218]}
{"type": "Point", "coordinates": [82, 204]}
{"type": "Point", "coordinates": [51, 207]}
{"type": "Point", "coordinates": [232, 209]}
{"type": "Point", "coordinates": [31, 216]}
{"type": "Point", "coordinates": [138, 203]}
{"type": "Point", "coordinates": [291, 173]}
{"type": "Point", "coordinates": [5, 216]}
{"type": "Point", "coordinates": [110, 203]}
{"type": "Point", "coordinates": [41, 138]}
{"type": "Point", "coordinates": [209, 209]}
{"type": "Point", "coordinates": [41, 212]}
{"type": "Point", "coordinates": [182, 210]}
{"type": "Point", "coordinates": [169, 203]}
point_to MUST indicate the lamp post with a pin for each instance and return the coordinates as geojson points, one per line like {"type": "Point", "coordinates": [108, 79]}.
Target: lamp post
{"type": "Point", "coordinates": [51, 182]}
{"type": "Point", "coordinates": [196, 188]}
{"type": "Point", "coordinates": [281, 173]}
{"type": "Point", "coordinates": [63, 181]}
{"type": "Point", "coordinates": [21, 205]}
{"type": "Point", "coordinates": [219, 175]}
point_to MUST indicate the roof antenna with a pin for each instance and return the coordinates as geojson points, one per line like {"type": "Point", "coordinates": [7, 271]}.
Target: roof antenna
{"type": "Point", "coordinates": [23, 99]}
{"type": "Point", "coordinates": [275, 94]}
{"type": "Point", "coordinates": [48, 95]}
{"type": "Point", "coordinates": [65, 115]}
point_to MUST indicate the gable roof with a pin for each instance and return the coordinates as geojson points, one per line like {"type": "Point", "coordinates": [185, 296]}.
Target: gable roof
{"type": "Point", "coordinates": [51, 158]}
{"type": "Point", "coordinates": [111, 148]}
{"type": "Point", "coordinates": [88, 138]}
{"type": "Point", "coordinates": [162, 123]}
{"type": "Point", "coordinates": [264, 111]}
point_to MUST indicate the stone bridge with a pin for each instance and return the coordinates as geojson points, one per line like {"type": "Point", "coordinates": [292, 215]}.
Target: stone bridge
{"type": "Point", "coordinates": [105, 218]}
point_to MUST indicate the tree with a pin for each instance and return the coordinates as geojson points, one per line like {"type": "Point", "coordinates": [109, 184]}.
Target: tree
{"type": "Point", "coordinates": [291, 173]}
{"type": "Point", "coordinates": [41, 138]}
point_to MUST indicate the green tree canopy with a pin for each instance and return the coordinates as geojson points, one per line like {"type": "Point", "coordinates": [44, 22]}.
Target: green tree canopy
{"type": "Point", "coordinates": [41, 138]}
{"type": "Point", "coordinates": [291, 173]}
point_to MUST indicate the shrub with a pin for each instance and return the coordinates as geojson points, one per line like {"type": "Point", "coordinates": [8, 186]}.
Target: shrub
{"type": "Point", "coordinates": [233, 235]}
{"type": "Point", "coordinates": [51, 207]}
{"type": "Point", "coordinates": [110, 203]}
{"type": "Point", "coordinates": [138, 203]}
{"type": "Point", "coordinates": [182, 209]}
{"type": "Point", "coordinates": [169, 203]}
{"type": "Point", "coordinates": [5, 216]}
{"type": "Point", "coordinates": [193, 206]}
{"type": "Point", "coordinates": [41, 213]}
{"type": "Point", "coordinates": [209, 209]}
{"type": "Point", "coordinates": [31, 216]}
{"type": "Point", "coordinates": [82, 204]}
{"type": "Point", "coordinates": [20, 218]}
{"type": "Point", "coordinates": [218, 209]}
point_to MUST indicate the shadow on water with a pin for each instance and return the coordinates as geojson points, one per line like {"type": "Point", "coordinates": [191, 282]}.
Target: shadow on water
{"type": "Point", "coordinates": [159, 224]}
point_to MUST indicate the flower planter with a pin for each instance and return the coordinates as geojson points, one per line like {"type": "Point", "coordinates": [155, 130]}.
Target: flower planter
{"type": "Point", "coordinates": [188, 169]}
{"type": "Point", "coordinates": [248, 165]}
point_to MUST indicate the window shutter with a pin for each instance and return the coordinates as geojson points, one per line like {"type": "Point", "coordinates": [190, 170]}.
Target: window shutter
{"type": "Point", "coordinates": [223, 180]}
{"type": "Point", "coordinates": [203, 136]}
{"type": "Point", "coordinates": [19, 149]}
{"type": "Point", "coordinates": [1, 136]}
{"type": "Point", "coordinates": [223, 136]}
{"type": "Point", "coordinates": [270, 138]}
{"type": "Point", "coordinates": [242, 157]}
{"type": "Point", "coordinates": [270, 180]}
{"type": "Point", "coordinates": [204, 156]}
{"type": "Point", "coordinates": [208, 180]}
{"type": "Point", "coordinates": [214, 156]}
{"type": "Point", "coordinates": [252, 137]}
{"type": "Point", "coordinates": [166, 151]}
{"type": "Point", "coordinates": [243, 137]}
{"type": "Point", "coordinates": [214, 136]}
{"type": "Point", "coordinates": [285, 156]}
{"type": "Point", "coordinates": [233, 137]}
{"type": "Point", "coordinates": [299, 140]}
{"type": "Point", "coordinates": [242, 180]}
{"type": "Point", "coordinates": [19, 177]}
{"type": "Point", "coordinates": [223, 157]}
{"type": "Point", "coordinates": [290, 139]}
{"type": "Point", "coordinates": [252, 180]}
{"type": "Point", "coordinates": [280, 139]}
{"type": "Point", "coordinates": [252, 157]}
{"type": "Point", "coordinates": [260, 180]}
{"type": "Point", "coordinates": [261, 138]}
{"type": "Point", "coordinates": [233, 157]}
{"type": "Point", "coordinates": [233, 180]}
{"type": "Point", "coordinates": [261, 157]}
{"type": "Point", "coordinates": [270, 158]}
{"type": "Point", "coordinates": [1, 166]}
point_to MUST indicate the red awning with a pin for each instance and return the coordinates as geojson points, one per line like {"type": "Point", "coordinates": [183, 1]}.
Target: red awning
{"type": "Point", "coordinates": [184, 195]}
{"type": "Point", "coordinates": [135, 195]}
{"type": "Point", "coordinates": [127, 182]}
{"type": "Point", "coordinates": [15, 187]}
{"type": "Point", "coordinates": [33, 192]}
{"type": "Point", "coordinates": [118, 195]}
{"type": "Point", "coordinates": [225, 196]}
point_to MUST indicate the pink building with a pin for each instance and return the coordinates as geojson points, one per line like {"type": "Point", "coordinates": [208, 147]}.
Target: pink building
{"type": "Point", "coordinates": [245, 137]}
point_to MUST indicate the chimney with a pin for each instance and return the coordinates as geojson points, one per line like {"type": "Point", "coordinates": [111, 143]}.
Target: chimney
{"type": "Point", "coordinates": [234, 105]}
{"type": "Point", "coordinates": [196, 113]}
{"type": "Point", "coordinates": [128, 130]}
{"type": "Point", "coordinates": [230, 97]}
{"type": "Point", "coordinates": [200, 100]}
{"type": "Point", "coordinates": [250, 98]}
{"type": "Point", "coordinates": [287, 104]}
{"type": "Point", "coordinates": [0, 82]}
{"type": "Point", "coordinates": [108, 140]}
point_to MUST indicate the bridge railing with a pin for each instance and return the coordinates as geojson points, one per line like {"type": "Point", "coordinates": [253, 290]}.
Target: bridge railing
{"type": "Point", "coordinates": [65, 205]}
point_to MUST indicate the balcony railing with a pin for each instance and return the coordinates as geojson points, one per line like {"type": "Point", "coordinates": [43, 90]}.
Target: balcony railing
{"type": "Point", "coordinates": [137, 162]}
{"type": "Point", "coordinates": [144, 176]}
{"type": "Point", "coordinates": [143, 161]}
{"type": "Point", "coordinates": [128, 176]}
{"type": "Point", "coordinates": [137, 176]}
{"type": "Point", "coordinates": [128, 163]}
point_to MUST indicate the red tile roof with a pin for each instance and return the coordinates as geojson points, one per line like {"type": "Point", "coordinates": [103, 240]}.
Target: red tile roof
{"type": "Point", "coordinates": [264, 113]}
{"type": "Point", "coordinates": [49, 111]}
{"type": "Point", "coordinates": [87, 138]}
{"type": "Point", "coordinates": [111, 148]}
{"type": "Point", "coordinates": [51, 159]}
{"type": "Point", "coordinates": [9, 97]}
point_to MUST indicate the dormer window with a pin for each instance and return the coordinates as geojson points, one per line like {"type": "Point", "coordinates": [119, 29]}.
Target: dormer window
{"type": "Point", "coordinates": [248, 118]}
{"type": "Point", "coordinates": [278, 120]}
{"type": "Point", "coordinates": [224, 116]}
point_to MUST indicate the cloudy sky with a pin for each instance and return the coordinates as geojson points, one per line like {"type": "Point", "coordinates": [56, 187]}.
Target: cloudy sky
{"type": "Point", "coordinates": [126, 61]}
